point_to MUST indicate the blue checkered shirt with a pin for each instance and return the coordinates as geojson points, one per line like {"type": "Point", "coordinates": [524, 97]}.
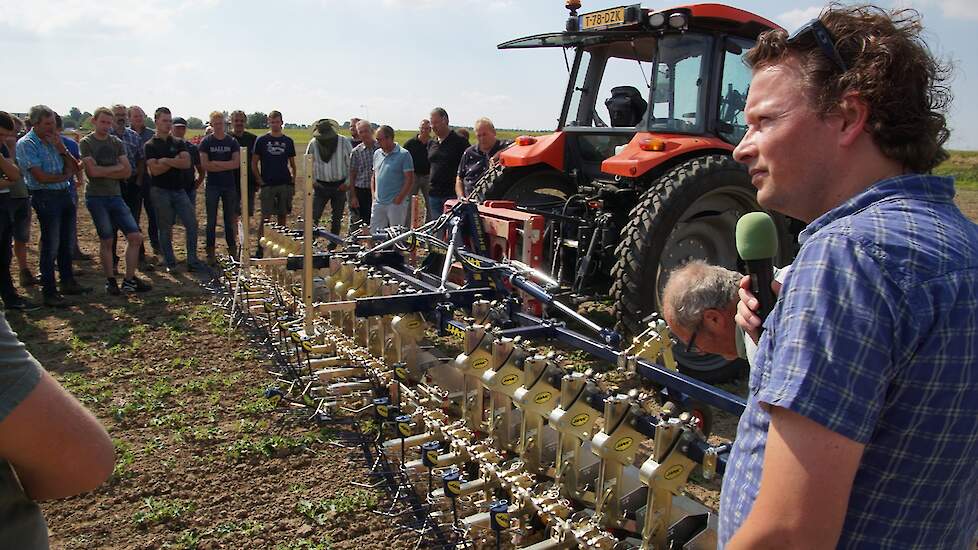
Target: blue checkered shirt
{"type": "Point", "coordinates": [875, 337]}
{"type": "Point", "coordinates": [134, 146]}
{"type": "Point", "coordinates": [33, 151]}
{"type": "Point", "coordinates": [362, 161]}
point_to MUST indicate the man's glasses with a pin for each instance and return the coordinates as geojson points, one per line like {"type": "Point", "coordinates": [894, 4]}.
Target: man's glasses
{"type": "Point", "coordinates": [823, 38]}
{"type": "Point", "coordinates": [691, 346]}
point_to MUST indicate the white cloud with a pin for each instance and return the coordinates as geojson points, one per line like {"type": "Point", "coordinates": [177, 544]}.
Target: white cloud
{"type": "Point", "coordinates": [79, 17]}
{"type": "Point", "coordinates": [963, 9]}
{"type": "Point", "coordinates": [795, 18]}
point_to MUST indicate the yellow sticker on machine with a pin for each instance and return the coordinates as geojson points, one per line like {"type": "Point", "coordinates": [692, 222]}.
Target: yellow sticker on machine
{"type": "Point", "coordinates": [580, 419]}
{"type": "Point", "coordinates": [307, 345]}
{"type": "Point", "coordinates": [510, 379]}
{"type": "Point", "coordinates": [404, 428]}
{"type": "Point", "coordinates": [603, 19]}
{"type": "Point", "coordinates": [542, 397]}
{"type": "Point", "coordinates": [673, 472]}
{"type": "Point", "coordinates": [480, 363]}
{"type": "Point", "coordinates": [401, 373]}
{"type": "Point", "coordinates": [433, 457]}
{"type": "Point", "coordinates": [623, 444]}
{"type": "Point", "coordinates": [455, 487]}
{"type": "Point", "coordinates": [502, 520]}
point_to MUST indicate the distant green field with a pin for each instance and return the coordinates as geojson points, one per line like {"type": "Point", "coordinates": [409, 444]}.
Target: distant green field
{"type": "Point", "coordinates": [963, 165]}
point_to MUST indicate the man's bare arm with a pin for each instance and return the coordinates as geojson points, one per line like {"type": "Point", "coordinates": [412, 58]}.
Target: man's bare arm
{"type": "Point", "coordinates": [805, 485]}
{"type": "Point", "coordinates": [256, 170]}
{"type": "Point", "coordinates": [55, 445]}
{"type": "Point", "coordinates": [406, 188]}
{"type": "Point", "coordinates": [9, 167]}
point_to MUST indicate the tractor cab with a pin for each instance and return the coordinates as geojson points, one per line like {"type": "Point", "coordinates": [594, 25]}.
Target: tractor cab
{"type": "Point", "coordinates": [637, 72]}
{"type": "Point", "coordinates": [638, 177]}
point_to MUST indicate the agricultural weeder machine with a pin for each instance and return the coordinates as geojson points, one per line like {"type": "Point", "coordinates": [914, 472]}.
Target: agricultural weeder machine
{"type": "Point", "coordinates": [501, 444]}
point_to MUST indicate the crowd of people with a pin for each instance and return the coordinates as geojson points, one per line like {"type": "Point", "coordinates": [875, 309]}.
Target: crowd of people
{"type": "Point", "coordinates": [123, 168]}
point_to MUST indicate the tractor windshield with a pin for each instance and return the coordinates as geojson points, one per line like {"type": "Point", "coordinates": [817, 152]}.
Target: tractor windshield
{"type": "Point", "coordinates": [654, 83]}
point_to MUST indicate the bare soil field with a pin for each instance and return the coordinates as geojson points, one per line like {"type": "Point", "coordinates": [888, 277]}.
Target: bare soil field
{"type": "Point", "coordinates": [202, 459]}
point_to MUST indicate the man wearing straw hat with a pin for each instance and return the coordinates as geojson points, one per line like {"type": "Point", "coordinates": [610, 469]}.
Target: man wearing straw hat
{"type": "Point", "coordinates": [330, 169]}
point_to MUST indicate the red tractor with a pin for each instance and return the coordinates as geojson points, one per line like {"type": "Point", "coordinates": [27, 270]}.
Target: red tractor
{"type": "Point", "coordinates": [638, 177]}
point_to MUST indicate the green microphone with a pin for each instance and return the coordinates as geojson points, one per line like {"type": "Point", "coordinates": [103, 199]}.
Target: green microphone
{"type": "Point", "coordinates": [757, 244]}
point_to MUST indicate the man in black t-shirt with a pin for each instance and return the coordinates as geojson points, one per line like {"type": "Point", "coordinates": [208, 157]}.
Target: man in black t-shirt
{"type": "Point", "coordinates": [444, 154]}
{"type": "Point", "coordinates": [165, 158]}
{"type": "Point", "coordinates": [273, 162]}
{"type": "Point", "coordinates": [247, 142]}
{"type": "Point", "coordinates": [418, 147]}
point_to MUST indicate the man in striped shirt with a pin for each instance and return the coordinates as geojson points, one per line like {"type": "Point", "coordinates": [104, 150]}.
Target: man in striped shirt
{"type": "Point", "coordinates": [330, 169]}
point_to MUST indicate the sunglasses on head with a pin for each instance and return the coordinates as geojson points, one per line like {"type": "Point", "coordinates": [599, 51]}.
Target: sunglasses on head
{"type": "Point", "coordinates": [823, 38]}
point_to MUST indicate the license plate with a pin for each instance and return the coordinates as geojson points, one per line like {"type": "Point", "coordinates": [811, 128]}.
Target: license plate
{"type": "Point", "coordinates": [602, 19]}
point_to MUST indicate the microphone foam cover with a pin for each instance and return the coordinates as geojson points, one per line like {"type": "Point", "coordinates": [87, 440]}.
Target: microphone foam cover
{"type": "Point", "coordinates": [757, 238]}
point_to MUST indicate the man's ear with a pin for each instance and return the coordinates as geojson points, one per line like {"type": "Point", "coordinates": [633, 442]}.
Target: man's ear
{"type": "Point", "coordinates": [854, 112]}
{"type": "Point", "coordinates": [713, 318]}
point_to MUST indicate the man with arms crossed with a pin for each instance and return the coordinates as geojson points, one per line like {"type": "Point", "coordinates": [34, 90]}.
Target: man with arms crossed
{"type": "Point", "coordinates": [132, 192]}
{"type": "Point", "coordinates": [273, 163]}
{"type": "Point", "coordinates": [860, 429]}
{"type": "Point", "coordinates": [107, 166]}
{"type": "Point", "coordinates": [220, 156]}
{"type": "Point", "coordinates": [166, 156]}
{"type": "Point", "coordinates": [392, 182]}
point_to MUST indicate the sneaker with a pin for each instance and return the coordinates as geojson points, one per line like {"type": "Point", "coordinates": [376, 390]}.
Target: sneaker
{"type": "Point", "coordinates": [16, 302]}
{"type": "Point", "coordinates": [28, 279]}
{"type": "Point", "coordinates": [135, 285]}
{"type": "Point", "coordinates": [146, 267]}
{"type": "Point", "coordinates": [112, 287]}
{"type": "Point", "coordinates": [55, 300]}
{"type": "Point", "coordinates": [170, 268]}
{"type": "Point", "coordinates": [72, 288]}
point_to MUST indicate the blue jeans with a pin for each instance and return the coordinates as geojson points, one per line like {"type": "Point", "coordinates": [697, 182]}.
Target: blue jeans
{"type": "Point", "coordinates": [436, 205]}
{"type": "Point", "coordinates": [169, 204]}
{"type": "Point", "coordinates": [229, 196]}
{"type": "Point", "coordinates": [56, 216]}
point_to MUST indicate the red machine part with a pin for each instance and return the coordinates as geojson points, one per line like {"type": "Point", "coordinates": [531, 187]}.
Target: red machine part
{"type": "Point", "coordinates": [511, 235]}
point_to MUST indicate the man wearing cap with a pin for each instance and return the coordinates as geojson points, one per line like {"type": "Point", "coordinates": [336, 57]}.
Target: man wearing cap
{"type": "Point", "coordinates": [193, 177]}
{"type": "Point", "coordinates": [165, 158]}
{"type": "Point", "coordinates": [330, 167]}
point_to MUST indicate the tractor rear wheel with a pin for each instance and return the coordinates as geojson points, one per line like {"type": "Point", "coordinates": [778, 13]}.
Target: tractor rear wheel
{"type": "Point", "coordinates": [688, 213]}
{"type": "Point", "coordinates": [535, 190]}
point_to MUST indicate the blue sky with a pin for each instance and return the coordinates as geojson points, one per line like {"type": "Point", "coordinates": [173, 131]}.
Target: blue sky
{"type": "Point", "coordinates": [390, 60]}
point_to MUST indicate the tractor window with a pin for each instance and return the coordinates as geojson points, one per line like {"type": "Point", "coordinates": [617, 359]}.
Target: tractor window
{"type": "Point", "coordinates": [681, 73]}
{"type": "Point", "coordinates": [733, 91]}
{"type": "Point", "coordinates": [578, 93]}
{"type": "Point", "coordinates": [623, 93]}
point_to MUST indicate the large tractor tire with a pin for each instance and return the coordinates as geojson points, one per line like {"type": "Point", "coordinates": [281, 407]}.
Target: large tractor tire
{"type": "Point", "coordinates": [688, 213]}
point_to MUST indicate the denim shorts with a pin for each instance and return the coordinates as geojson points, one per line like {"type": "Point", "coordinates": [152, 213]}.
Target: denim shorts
{"type": "Point", "coordinates": [20, 209]}
{"type": "Point", "coordinates": [109, 214]}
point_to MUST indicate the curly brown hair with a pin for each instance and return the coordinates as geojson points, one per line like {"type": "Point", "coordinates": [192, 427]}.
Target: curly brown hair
{"type": "Point", "coordinates": [889, 66]}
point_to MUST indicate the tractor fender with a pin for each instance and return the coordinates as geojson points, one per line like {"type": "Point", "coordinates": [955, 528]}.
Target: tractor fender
{"type": "Point", "coordinates": [634, 162]}
{"type": "Point", "coordinates": [547, 150]}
